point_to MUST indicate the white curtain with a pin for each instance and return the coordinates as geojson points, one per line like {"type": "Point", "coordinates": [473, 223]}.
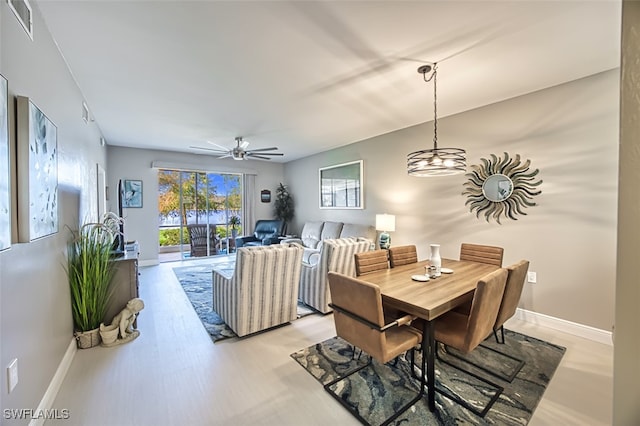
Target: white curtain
{"type": "Point", "coordinates": [248, 203]}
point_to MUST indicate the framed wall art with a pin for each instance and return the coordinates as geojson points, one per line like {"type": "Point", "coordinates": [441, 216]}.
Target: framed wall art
{"type": "Point", "coordinates": [132, 194]}
{"type": "Point", "coordinates": [37, 150]}
{"type": "Point", "coordinates": [5, 192]}
{"type": "Point", "coordinates": [341, 186]}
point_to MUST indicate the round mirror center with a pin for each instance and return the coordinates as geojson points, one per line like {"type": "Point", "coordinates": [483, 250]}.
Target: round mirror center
{"type": "Point", "coordinates": [497, 188]}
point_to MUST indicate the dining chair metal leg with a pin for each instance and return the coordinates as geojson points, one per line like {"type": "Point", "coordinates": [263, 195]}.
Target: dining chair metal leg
{"type": "Point", "coordinates": [462, 402]}
{"type": "Point", "coordinates": [338, 379]}
{"type": "Point", "coordinates": [413, 363]}
{"type": "Point", "coordinates": [354, 353]}
{"type": "Point", "coordinates": [418, 397]}
{"type": "Point", "coordinates": [507, 377]}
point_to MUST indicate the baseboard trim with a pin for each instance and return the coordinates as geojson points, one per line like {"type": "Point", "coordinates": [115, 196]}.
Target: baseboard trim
{"type": "Point", "coordinates": [573, 328]}
{"type": "Point", "coordinates": [52, 391]}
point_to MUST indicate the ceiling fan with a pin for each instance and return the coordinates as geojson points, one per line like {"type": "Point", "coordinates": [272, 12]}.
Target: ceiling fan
{"type": "Point", "coordinates": [240, 151]}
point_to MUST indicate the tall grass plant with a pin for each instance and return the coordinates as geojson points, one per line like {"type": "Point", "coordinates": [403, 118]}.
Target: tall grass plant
{"type": "Point", "coordinates": [90, 269]}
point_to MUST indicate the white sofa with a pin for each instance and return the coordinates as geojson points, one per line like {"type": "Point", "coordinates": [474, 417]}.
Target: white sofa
{"type": "Point", "coordinates": [263, 291]}
{"type": "Point", "coordinates": [335, 255]}
{"type": "Point", "coordinates": [314, 233]}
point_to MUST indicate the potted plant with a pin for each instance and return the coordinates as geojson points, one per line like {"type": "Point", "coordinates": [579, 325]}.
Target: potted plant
{"type": "Point", "coordinates": [234, 221]}
{"type": "Point", "coordinates": [283, 207]}
{"type": "Point", "coordinates": [90, 269]}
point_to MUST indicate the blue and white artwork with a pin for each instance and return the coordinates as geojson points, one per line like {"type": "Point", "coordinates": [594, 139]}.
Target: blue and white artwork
{"type": "Point", "coordinates": [37, 173]}
{"type": "Point", "coordinates": [5, 194]}
{"type": "Point", "coordinates": [132, 194]}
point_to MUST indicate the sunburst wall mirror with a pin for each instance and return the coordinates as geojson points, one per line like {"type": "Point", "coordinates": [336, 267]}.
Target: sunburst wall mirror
{"type": "Point", "coordinates": [501, 186]}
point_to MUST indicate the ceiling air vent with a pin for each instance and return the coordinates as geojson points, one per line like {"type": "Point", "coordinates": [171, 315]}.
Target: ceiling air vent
{"type": "Point", "coordinates": [22, 10]}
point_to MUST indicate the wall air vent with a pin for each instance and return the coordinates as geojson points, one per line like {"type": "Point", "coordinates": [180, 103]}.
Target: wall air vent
{"type": "Point", "coordinates": [22, 10]}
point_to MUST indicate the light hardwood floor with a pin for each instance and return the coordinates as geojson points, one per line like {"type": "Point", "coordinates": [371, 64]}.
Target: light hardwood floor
{"type": "Point", "coordinates": [174, 375]}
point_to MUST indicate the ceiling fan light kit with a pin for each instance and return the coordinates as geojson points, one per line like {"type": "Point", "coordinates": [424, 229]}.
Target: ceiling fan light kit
{"type": "Point", "coordinates": [240, 151]}
{"type": "Point", "coordinates": [436, 161]}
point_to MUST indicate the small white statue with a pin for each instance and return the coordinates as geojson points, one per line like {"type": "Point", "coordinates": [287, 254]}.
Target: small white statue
{"type": "Point", "coordinates": [124, 322]}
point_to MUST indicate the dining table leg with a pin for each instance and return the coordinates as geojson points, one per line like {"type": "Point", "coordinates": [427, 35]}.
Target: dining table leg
{"type": "Point", "coordinates": [429, 351]}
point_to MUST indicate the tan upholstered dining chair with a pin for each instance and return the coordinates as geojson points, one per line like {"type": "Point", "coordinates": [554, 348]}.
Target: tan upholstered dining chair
{"type": "Point", "coordinates": [402, 255]}
{"type": "Point", "coordinates": [369, 261]}
{"type": "Point", "coordinates": [515, 282]}
{"type": "Point", "coordinates": [482, 254]}
{"type": "Point", "coordinates": [466, 332]}
{"type": "Point", "coordinates": [359, 319]}
{"type": "Point", "coordinates": [511, 297]}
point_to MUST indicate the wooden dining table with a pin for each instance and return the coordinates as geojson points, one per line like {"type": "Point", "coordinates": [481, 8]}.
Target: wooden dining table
{"type": "Point", "coordinates": [428, 300]}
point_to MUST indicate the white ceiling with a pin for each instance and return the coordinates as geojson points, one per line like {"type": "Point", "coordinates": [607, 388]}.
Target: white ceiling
{"type": "Point", "coordinates": [307, 76]}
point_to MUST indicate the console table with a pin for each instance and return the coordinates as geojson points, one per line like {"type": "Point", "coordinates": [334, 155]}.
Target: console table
{"type": "Point", "coordinates": [124, 283]}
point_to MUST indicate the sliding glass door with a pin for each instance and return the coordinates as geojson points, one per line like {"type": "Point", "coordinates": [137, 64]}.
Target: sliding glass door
{"type": "Point", "coordinates": [199, 213]}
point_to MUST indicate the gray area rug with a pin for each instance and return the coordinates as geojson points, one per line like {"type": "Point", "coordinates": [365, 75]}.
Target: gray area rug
{"type": "Point", "coordinates": [196, 282]}
{"type": "Point", "coordinates": [376, 391]}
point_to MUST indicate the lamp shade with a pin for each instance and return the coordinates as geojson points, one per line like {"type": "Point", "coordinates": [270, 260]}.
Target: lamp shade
{"type": "Point", "coordinates": [385, 222]}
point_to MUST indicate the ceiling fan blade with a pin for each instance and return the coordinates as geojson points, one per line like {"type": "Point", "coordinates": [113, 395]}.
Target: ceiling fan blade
{"type": "Point", "coordinates": [210, 149]}
{"type": "Point", "coordinates": [260, 157]}
{"type": "Point", "coordinates": [220, 147]}
{"type": "Point", "coordinates": [263, 149]}
{"type": "Point", "coordinates": [244, 144]}
{"type": "Point", "coordinates": [253, 153]}
{"type": "Point", "coordinates": [226, 155]}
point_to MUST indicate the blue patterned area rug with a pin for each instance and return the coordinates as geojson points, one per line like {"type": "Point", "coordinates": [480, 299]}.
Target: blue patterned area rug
{"type": "Point", "coordinates": [196, 282]}
{"type": "Point", "coordinates": [376, 391]}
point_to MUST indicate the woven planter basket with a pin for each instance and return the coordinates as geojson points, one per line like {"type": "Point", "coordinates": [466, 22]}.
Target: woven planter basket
{"type": "Point", "coordinates": [87, 339]}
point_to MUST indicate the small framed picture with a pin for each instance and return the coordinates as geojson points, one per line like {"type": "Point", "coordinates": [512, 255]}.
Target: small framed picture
{"type": "Point", "coordinates": [341, 186]}
{"type": "Point", "coordinates": [265, 196]}
{"type": "Point", "coordinates": [132, 194]}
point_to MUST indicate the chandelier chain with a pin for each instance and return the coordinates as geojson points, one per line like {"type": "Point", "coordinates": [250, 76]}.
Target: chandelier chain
{"type": "Point", "coordinates": [435, 106]}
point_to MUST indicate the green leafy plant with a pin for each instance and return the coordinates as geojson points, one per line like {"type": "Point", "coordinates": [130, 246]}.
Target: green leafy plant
{"type": "Point", "coordinates": [90, 269]}
{"type": "Point", "coordinates": [171, 237]}
{"type": "Point", "coordinates": [221, 232]}
{"type": "Point", "coordinates": [234, 221]}
{"type": "Point", "coordinates": [283, 208]}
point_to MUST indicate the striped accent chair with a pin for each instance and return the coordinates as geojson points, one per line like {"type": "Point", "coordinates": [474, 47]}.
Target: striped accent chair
{"type": "Point", "coordinates": [336, 255]}
{"type": "Point", "coordinates": [263, 291]}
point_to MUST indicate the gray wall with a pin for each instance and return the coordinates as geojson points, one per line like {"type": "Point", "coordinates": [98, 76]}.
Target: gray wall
{"type": "Point", "coordinates": [569, 132]}
{"type": "Point", "coordinates": [141, 224]}
{"type": "Point", "coordinates": [35, 315]}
